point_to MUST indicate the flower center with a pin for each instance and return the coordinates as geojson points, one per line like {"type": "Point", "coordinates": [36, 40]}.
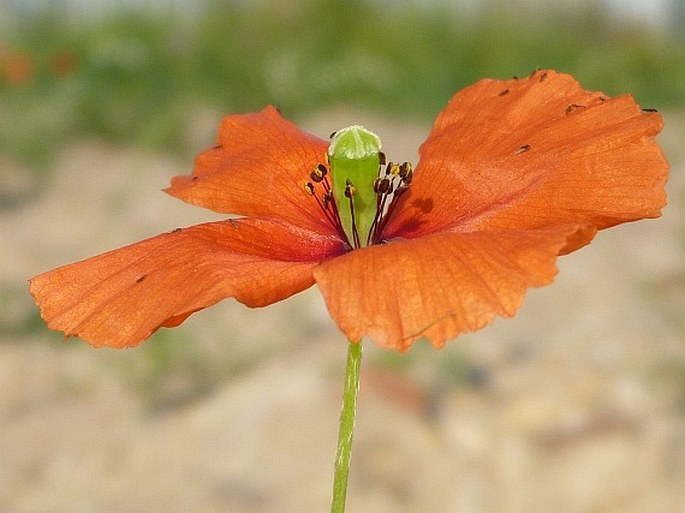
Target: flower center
{"type": "Point", "coordinates": [364, 189]}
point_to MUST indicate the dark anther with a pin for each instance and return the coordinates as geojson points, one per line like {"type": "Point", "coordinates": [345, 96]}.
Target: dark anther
{"type": "Point", "coordinates": [522, 149]}
{"type": "Point", "coordinates": [392, 169]}
{"type": "Point", "coordinates": [309, 188]}
{"type": "Point", "coordinates": [332, 135]}
{"type": "Point", "coordinates": [406, 173]}
{"type": "Point", "coordinates": [381, 158]}
{"type": "Point", "coordinates": [573, 106]}
{"type": "Point", "coordinates": [141, 278]}
{"type": "Point", "coordinates": [381, 185]}
{"type": "Point", "coordinates": [318, 173]}
{"type": "Point", "coordinates": [502, 93]}
{"type": "Point", "coordinates": [349, 189]}
{"type": "Point", "coordinates": [176, 230]}
{"type": "Point", "coordinates": [649, 110]}
{"type": "Point", "coordinates": [603, 98]}
{"type": "Point", "coordinates": [406, 180]}
{"type": "Point", "coordinates": [543, 76]}
{"type": "Point", "coordinates": [327, 200]}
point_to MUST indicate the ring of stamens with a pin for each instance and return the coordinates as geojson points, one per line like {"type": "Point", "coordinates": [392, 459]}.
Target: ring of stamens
{"type": "Point", "coordinates": [392, 181]}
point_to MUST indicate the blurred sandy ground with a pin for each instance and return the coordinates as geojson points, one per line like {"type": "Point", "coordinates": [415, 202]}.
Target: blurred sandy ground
{"type": "Point", "coordinates": [577, 405]}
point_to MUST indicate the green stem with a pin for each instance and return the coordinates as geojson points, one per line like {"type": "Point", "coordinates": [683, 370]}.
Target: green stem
{"type": "Point", "coordinates": [347, 415]}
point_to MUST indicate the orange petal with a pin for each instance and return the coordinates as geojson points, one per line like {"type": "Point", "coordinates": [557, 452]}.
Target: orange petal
{"type": "Point", "coordinates": [258, 167]}
{"type": "Point", "coordinates": [121, 297]}
{"type": "Point", "coordinates": [531, 153]}
{"type": "Point", "coordinates": [437, 286]}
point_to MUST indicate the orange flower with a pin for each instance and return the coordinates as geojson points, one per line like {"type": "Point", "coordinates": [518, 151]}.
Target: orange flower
{"type": "Point", "coordinates": [17, 68]}
{"type": "Point", "coordinates": [513, 174]}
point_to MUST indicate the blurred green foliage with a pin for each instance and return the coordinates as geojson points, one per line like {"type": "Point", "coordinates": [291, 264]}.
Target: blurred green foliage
{"type": "Point", "coordinates": [139, 77]}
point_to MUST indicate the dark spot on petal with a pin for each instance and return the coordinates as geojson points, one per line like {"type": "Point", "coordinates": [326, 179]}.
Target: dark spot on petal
{"type": "Point", "coordinates": [194, 177]}
{"type": "Point", "coordinates": [140, 278]}
{"type": "Point", "coordinates": [543, 76]}
{"type": "Point", "coordinates": [425, 205]}
{"type": "Point", "coordinates": [573, 106]}
{"type": "Point", "coordinates": [515, 77]}
{"type": "Point", "coordinates": [217, 146]}
{"type": "Point", "coordinates": [603, 98]}
{"type": "Point", "coordinates": [522, 149]}
{"type": "Point", "coordinates": [176, 230]}
{"type": "Point", "coordinates": [502, 93]}
{"type": "Point", "coordinates": [649, 110]}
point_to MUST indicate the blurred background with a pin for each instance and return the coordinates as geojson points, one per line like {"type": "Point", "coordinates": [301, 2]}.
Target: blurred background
{"type": "Point", "coordinates": [576, 405]}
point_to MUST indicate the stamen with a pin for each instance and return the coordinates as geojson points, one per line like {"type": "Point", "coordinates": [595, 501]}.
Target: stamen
{"type": "Point", "coordinates": [350, 191]}
{"type": "Point", "coordinates": [318, 173]}
{"type": "Point", "coordinates": [406, 173]}
{"type": "Point", "coordinates": [381, 185]}
{"type": "Point", "coordinates": [393, 169]}
{"type": "Point", "coordinates": [393, 203]}
{"type": "Point", "coordinates": [380, 206]}
{"type": "Point", "coordinates": [347, 176]}
{"type": "Point", "coordinates": [391, 183]}
{"type": "Point", "coordinates": [331, 211]}
{"type": "Point", "coordinates": [326, 201]}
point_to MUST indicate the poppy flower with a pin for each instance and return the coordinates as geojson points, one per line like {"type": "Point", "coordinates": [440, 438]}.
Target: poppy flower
{"type": "Point", "coordinates": [513, 174]}
{"type": "Point", "coordinates": [17, 68]}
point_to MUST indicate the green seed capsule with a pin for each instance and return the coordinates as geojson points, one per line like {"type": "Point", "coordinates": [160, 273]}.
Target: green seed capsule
{"type": "Point", "coordinates": [354, 157]}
